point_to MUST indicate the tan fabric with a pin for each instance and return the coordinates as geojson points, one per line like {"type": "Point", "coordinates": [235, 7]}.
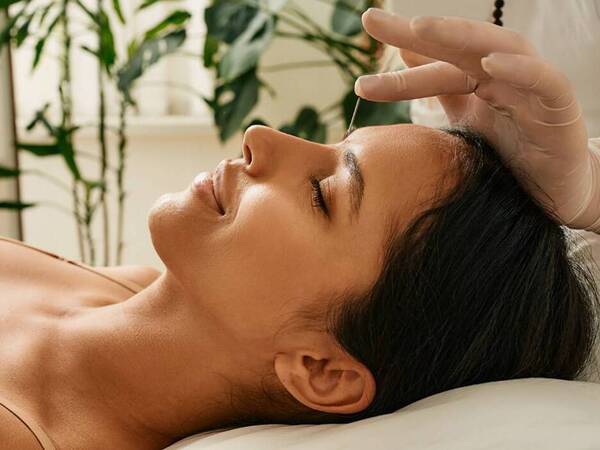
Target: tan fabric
{"type": "Point", "coordinates": [131, 286]}
{"type": "Point", "coordinates": [42, 438]}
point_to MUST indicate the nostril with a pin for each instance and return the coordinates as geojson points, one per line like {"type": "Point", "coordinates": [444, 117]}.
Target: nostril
{"type": "Point", "coordinates": [247, 153]}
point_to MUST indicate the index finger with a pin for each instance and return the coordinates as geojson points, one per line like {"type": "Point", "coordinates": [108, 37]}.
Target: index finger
{"type": "Point", "coordinates": [461, 42]}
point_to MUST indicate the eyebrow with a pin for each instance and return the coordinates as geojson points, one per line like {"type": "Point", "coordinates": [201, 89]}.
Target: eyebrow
{"type": "Point", "coordinates": [356, 186]}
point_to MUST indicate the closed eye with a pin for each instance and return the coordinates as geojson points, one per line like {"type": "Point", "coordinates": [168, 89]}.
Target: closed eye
{"type": "Point", "coordinates": [318, 201]}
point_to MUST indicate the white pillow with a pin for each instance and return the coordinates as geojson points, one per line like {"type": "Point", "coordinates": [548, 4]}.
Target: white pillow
{"type": "Point", "coordinates": [530, 413]}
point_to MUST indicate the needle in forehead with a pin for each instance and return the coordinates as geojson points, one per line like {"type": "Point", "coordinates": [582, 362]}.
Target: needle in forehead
{"type": "Point", "coordinates": [351, 126]}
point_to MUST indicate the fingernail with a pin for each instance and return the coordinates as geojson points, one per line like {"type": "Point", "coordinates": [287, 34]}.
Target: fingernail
{"type": "Point", "coordinates": [365, 84]}
{"type": "Point", "coordinates": [377, 14]}
{"type": "Point", "coordinates": [485, 63]}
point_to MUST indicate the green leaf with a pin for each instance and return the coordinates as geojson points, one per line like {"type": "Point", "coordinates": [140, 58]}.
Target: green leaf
{"type": "Point", "coordinates": [211, 47]}
{"type": "Point", "coordinates": [148, 3]}
{"type": "Point", "coordinates": [40, 117]}
{"type": "Point", "coordinates": [374, 113]}
{"type": "Point", "coordinates": [65, 146]}
{"type": "Point", "coordinates": [106, 52]}
{"type": "Point", "coordinates": [7, 172]}
{"type": "Point", "coordinates": [307, 125]}
{"type": "Point", "coordinates": [18, 206]}
{"type": "Point", "coordinates": [40, 149]}
{"type": "Point", "coordinates": [226, 20]}
{"type": "Point", "coordinates": [7, 3]}
{"type": "Point", "coordinates": [175, 19]}
{"type": "Point", "coordinates": [117, 8]}
{"type": "Point", "coordinates": [346, 16]}
{"type": "Point", "coordinates": [144, 56]}
{"type": "Point", "coordinates": [247, 49]}
{"type": "Point", "coordinates": [229, 115]}
{"type": "Point", "coordinates": [5, 33]}
{"type": "Point", "coordinates": [39, 46]}
{"type": "Point", "coordinates": [23, 31]}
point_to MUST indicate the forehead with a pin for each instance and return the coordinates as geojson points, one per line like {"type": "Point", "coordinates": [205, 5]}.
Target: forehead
{"type": "Point", "coordinates": [404, 168]}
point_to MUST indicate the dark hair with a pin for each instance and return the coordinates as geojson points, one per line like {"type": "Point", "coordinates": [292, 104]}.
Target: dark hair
{"type": "Point", "coordinates": [479, 287]}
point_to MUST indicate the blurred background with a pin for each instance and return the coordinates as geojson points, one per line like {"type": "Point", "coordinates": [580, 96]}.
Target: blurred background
{"type": "Point", "coordinates": [114, 103]}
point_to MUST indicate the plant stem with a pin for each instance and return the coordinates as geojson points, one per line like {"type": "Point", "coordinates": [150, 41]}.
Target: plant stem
{"type": "Point", "coordinates": [66, 107]}
{"type": "Point", "coordinates": [103, 152]}
{"type": "Point", "coordinates": [89, 212]}
{"type": "Point", "coordinates": [120, 178]}
{"type": "Point", "coordinates": [295, 65]}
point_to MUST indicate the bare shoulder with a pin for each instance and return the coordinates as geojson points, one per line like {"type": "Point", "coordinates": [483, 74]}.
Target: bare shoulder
{"type": "Point", "coordinates": [140, 275]}
{"type": "Point", "coordinates": [14, 433]}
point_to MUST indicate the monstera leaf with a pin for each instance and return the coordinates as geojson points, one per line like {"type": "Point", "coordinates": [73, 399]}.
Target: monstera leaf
{"type": "Point", "coordinates": [248, 47]}
{"type": "Point", "coordinates": [307, 125]}
{"type": "Point", "coordinates": [226, 20]}
{"type": "Point", "coordinates": [346, 16]}
{"type": "Point", "coordinates": [230, 112]}
{"type": "Point", "coordinates": [145, 55]}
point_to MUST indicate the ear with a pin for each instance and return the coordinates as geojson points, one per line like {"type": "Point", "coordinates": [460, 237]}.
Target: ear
{"type": "Point", "coordinates": [327, 379]}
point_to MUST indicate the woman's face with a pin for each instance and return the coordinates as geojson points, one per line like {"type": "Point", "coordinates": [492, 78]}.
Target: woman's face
{"type": "Point", "coordinates": [275, 251]}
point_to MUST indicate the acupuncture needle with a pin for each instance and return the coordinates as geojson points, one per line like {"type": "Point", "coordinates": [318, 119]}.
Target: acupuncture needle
{"type": "Point", "coordinates": [351, 127]}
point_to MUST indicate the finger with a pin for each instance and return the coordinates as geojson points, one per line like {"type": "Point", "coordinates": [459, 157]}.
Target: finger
{"type": "Point", "coordinates": [534, 75]}
{"type": "Point", "coordinates": [437, 78]}
{"type": "Point", "coordinates": [502, 97]}
{"type": "Point", "coordinates": [412, 59]}
{"type": "Point", "coordinates": [455, 40]}
{"type": "Point", "coordinates": [471, 36]}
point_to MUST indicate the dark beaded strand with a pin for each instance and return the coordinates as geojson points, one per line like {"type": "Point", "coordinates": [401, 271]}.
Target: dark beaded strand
{"type": "Point", "coordinates": [497, 14]}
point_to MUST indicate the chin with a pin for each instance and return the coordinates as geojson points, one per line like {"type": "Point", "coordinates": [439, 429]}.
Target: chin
{"type": "Point", "coordinates": [178, 226]}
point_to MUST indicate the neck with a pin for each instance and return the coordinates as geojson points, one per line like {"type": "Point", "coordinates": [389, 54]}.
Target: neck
{"type": "Point", "coordinates": [154, 363]}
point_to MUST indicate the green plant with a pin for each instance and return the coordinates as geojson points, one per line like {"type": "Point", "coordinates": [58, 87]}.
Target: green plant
{"type": "Point", "coordinates": [240, 31]}
{"type": "Point", "coordinates": [41, 22]}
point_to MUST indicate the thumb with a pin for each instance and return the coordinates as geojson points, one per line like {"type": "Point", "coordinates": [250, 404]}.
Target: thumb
{"type": "Point", "coordinates": [412, 59]}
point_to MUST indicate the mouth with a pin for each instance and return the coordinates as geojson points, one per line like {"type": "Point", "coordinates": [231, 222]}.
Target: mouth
{"type": "Point", "coordinates": [204, 186]}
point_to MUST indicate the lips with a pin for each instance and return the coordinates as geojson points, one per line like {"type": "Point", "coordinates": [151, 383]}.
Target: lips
{"type": "Point", "coordinates": [204, 186]}
{"type": "Point", "coordinates": [216, 184]}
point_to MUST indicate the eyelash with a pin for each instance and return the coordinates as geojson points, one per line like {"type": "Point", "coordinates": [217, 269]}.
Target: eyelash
{"type": "Point", "coordinates": [318, 201]}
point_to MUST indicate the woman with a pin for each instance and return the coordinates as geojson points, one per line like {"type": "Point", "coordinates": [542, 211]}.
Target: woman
{"type": "Point", "coordinates": [304, 283]}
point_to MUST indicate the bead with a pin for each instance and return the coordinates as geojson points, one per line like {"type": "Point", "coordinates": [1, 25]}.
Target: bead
{"type": "Point", "coordinates": [498, 22]}
{"type": "Point", "coordinates": [497, 13]}
{"type": "Point", "coordinates": [499, 3]}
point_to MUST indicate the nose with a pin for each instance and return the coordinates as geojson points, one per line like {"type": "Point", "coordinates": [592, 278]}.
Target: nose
{"type": "Point", "coordinates": [266, 150]}
{"type": "Point", "coordinates": [257, 149]}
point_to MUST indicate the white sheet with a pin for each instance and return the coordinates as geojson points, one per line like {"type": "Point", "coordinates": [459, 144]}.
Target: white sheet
{"type": "Point", "coordinates": [532, 413]}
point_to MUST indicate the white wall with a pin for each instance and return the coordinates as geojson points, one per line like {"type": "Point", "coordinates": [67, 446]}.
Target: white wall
{"type": "Point", "coordinates": [166, 153]}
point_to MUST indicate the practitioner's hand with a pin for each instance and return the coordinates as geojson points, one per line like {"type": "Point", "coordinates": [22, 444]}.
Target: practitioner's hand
{"type": "Point", "coordinates": [491, 79]}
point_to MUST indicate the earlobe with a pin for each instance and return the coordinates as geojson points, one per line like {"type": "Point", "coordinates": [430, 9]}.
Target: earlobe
{"type": "Point", "coordinates": [336, 384]}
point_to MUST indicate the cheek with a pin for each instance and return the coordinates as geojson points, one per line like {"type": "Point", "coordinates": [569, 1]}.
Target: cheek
{"type": "Point", "coordinates": [270, 260]}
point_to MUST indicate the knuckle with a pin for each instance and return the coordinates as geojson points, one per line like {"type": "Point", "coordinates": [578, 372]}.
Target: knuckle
{"type": "Point", "coordinates": [522, 44]}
